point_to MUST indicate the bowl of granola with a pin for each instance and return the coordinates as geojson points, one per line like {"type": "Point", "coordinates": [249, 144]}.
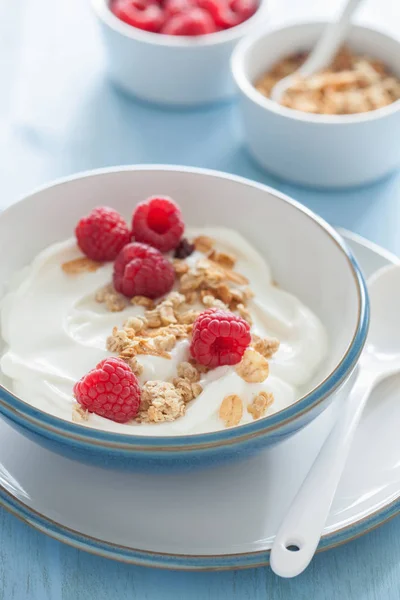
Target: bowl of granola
{"type": "Point", "coordinates": [155, 332]}
{"type": "Point", "coordinates": [337, 128]}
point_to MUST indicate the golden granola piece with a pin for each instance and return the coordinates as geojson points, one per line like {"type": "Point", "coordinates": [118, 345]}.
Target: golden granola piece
{"type": "Point", "coordinates": [231, 410]}
{"type": "Point", "coordinates": [199, 367]}
{"type": "Point", "coordinates": [144, 347]}
{"type": "Point", "coordinates": [244, 313]}
{"type": "Point", "coordinates": [79, 413]}
{"type": "Point", "coordinates": [102, 293]}
{"type": "Point", "coordinates": [188, 317]}
{"type": "Point", "coordinates": [226, 260]}
{"type": "Point", "coordinates": [178, 330]}
{"type": "Point", "coordinates": [211, 302]}
{"type": "Point", "coordinates": [191, 281]}
{"type": "Point", "coordinates": [248, 294]}
{"type": "Point", "coordinates": [260, 404]}
{"type": "Point", "coordinates": [212, 273]}
{"type": "Point", "coordinates": [196, 389]}
{"type": "Point", "coordinates": [160, 402]}
{"type": "Point", "coordinates": [143, 301]}
{"type": "Point", "coordinates": [188, 390]}
{"type": "Point", "coordinates": [153, 318]}
{"type": "Point", "coordinates": [378, 66]}
{"type": "Point", "coordinates": [176, 299]}
{"type": "Point", "coordinates": [128, 352]}
{"type": "Point", "coordinates": [164, 342]}
{"type": "Point", "coordinates": [238, 297]}
{"type": "Point", "coordinates": [191, 297]}
{"type": "Point", "coordinates": [81, 265]}
{"type": "Point", "coordinates": [235, 277]}
{"type": "Point", "coordinates": [134, 365]}
{"type": "Point", "coordinates": [265, 346]}
{"type": "Point", "coordinates": [253, 367]}
{"type": "Point", "coordinates": [223, 292]}
{"type": "Point", "coordinates": [207, 292]}
{"type": "Point", "coordinates": [188, 371]}
{"type": "Point", "coordinates": [203, 243]}
{"type": "Point", "coordinates": [136, 324]}
{"type": "Point", "coordinates": [114, 301]}
{"type": "Point", "coordinates": [118, 340]}
{"type": "Point", "coordinates": [180, 266]}
{"type": "Point", "coordinates": [167, 314]}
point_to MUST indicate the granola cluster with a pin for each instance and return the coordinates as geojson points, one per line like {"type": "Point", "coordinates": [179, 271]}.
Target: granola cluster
{"type": "Point", "coordinates": [156, 334]}
{"type": "Point", "coordinates": [209, 282]}
{"type": "Point", "coordinates": [212, 281]}
{"type": "Point", "coordinates": [352, 84]}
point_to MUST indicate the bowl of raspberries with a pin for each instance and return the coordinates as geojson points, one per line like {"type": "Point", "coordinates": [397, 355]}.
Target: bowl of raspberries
{"type": "Point", "coordinates": [175, 52]}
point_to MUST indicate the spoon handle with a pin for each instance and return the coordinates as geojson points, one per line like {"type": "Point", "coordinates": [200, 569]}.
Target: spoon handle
{"type": "Point", "coordinates": [330, 41]}
{"type": "Point", "coordinates": [299, 534]}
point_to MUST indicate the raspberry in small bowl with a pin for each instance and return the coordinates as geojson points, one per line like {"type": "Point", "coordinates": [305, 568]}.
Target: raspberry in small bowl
{"type": "Point", "coordinates": [175, 52]}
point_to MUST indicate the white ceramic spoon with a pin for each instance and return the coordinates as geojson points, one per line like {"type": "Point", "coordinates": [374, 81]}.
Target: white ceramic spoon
{"type": "Point", "coordinates": [324, 51]}
{"type": "Point", "coordinates": [301, 529]}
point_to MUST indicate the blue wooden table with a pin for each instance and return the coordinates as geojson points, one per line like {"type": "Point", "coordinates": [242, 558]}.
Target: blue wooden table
{"type": "Point", "coordinates": [59, 115]}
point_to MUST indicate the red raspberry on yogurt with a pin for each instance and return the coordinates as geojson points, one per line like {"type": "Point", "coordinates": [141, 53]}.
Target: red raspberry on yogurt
{"type": "Point", "coordinates": [102, 234]}
{"type": "Point", "coordinates": [141, 270]}
{"type": "Point", "coordinates": [110, 390]}
{"type": "Point", "coordinates": [158, 222]}
{"type": "Point", "coordinates": [219, 338]}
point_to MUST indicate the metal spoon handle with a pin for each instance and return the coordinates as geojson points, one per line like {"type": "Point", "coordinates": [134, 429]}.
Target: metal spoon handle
{"type": "Point", "coordinates": [330, 41]}
{"type": "Point", "coordinates": [300, 531]}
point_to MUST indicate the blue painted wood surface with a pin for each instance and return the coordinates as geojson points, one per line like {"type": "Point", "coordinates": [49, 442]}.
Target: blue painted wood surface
{"type": "Point", "coordinates": [58, 115]}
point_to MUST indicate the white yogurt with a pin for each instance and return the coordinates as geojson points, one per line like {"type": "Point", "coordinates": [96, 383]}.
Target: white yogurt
{"type": "Point", "coordinates": [55, 332]}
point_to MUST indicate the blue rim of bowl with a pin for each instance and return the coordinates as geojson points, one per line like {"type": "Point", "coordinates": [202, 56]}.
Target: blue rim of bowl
{"type": "Point", "coordinates": [24, 414]}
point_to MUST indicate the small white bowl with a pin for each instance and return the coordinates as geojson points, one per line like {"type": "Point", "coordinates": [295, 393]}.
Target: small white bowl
{"type": "Point", "coordinates": [171, 69]}
{"type": "Point", "coordinates": [309, 149]}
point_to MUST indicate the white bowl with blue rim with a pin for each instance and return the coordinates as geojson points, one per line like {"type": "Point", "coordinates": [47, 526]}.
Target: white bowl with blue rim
{"type": "Point", "coordinates": [308, 258]}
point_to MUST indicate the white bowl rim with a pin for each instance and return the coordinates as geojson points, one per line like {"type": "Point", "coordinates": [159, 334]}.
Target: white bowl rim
{"type": "Point", "coordinates": [22, 412]}
{"type": "Point", "coordinates": [102, 9]}
{"type": "Point", "coordinates": [248, 89]}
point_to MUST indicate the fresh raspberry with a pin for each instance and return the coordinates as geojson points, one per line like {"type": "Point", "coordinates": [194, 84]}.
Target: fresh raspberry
{"type": "Point", "coordinates": [143, 14]}
{"type": "Point", "coordinates": [174, 7]}
{"type": "Point", "coordinates": [102, 234]}
{"type": "Point", "coordinates": [158, 222]}
{"type": "Point", "coordinates": [194, 21]}
{"type": "Point", "coordinates": [229, 14]}
{"type": "Point", "coordinates": [219, 338]}
{"type": "Point", "coordinates": [141, 270]}
{"type": "Point", "coordinates": [244, 8]}
{"type": "Point", "coordinates": [110, 390]}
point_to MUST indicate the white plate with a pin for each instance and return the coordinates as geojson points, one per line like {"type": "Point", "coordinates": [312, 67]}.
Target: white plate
{"type": "Point", "coordinates": [215, 519]}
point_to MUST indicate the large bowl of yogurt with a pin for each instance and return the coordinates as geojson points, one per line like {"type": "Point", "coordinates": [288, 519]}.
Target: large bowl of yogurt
{"type": "Point", "coordinates": [291, 278]}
